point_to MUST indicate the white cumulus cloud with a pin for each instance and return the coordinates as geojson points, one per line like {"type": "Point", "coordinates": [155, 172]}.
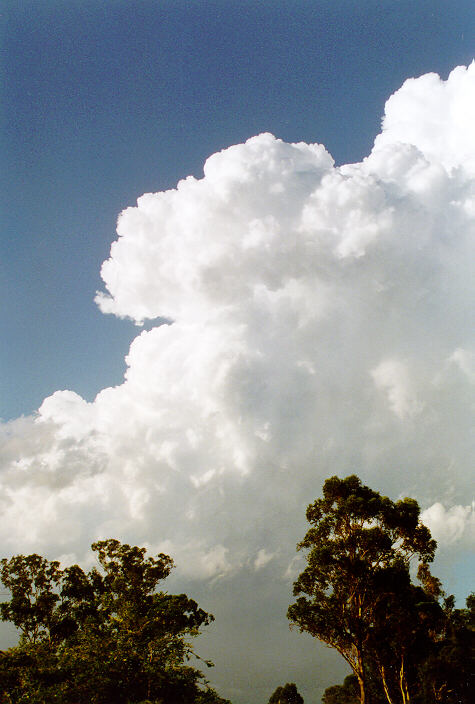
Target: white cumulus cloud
{"type": "Point", "coordinates": [449, 525]}
{"type": "Point", "coordinates": [319, 324]}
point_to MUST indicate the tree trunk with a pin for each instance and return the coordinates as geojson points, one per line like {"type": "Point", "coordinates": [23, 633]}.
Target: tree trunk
{"type": "Point", "coordinates": [385, 684]}
{"type": "Point", "coordinates": [362, 690]}
{"type": "Point", "coordinates": [403, 684]}
{"type": "Point", "coordinates": [361, 679]}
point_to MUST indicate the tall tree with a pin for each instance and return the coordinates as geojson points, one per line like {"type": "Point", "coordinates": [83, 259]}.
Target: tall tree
{"type": "Point", "coordinates": [104, 636]}
{"type": "Point", "coordinates": [408, 620]}
{"type": "Point", "coordinates": [359, 548]}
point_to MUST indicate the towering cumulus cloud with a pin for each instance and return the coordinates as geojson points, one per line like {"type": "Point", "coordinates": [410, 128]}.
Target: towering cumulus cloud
{"type": "Point", "coordinates": [320, 324]}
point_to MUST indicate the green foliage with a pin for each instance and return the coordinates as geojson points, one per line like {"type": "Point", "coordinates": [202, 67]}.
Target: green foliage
{"type": "Point", "coordinates": [440, 657]}
{"type": "Point", "coordinates": [31, 581]}
{"type": "Point", "coordinates": [110, 636]}
{"type": "Point", "coordinates": [359, 549]}
{"type": "Point", "coordinates": [446, 673]}
{"type": "Point", "coordinates": [405, 643]}
{"type": "Point", "coordinates": [103, 636]}
{"type": "Point", "coordinates": [346, 693]}
{"type": "Point", "coordinates": [287, 694]}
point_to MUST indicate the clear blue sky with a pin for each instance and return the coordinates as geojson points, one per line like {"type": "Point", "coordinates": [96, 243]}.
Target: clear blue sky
{"type": "Point", "coordinates": [103, 101]}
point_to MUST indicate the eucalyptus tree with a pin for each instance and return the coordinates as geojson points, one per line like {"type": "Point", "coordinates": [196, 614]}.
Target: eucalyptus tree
{"type": "Point", "coordinates": [359, 549]}
{"type": "Point", "coordinates": [108, 635]}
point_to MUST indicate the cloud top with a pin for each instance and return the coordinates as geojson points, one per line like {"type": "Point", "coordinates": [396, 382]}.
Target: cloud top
{"type": "Point", "coordinates": [436, 116]}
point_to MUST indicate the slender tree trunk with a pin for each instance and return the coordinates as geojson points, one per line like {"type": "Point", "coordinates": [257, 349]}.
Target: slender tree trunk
{"type": "Point", "coordinates": [403, 684]}
{"type": "Point", "coordinates": [385, 684]}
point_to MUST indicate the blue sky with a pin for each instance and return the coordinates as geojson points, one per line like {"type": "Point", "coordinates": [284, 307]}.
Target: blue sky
{"type": "Point", "coordinates": [321, 315]}
{"type": "Point", "coordinates": [105, 101]}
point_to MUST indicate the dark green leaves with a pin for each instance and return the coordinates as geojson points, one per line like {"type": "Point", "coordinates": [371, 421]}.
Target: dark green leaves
{"type": "Point", "coordinates": [103, 636]}
{"type": "Point", "coordinates": [287, 694]}
{"type": "Point", "coordinates": [31, 581]}
{"type": "Point", "coordinates": [359, 547]}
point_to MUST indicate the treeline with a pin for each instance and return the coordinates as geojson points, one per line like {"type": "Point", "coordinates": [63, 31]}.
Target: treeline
{"type": "Point", "coordinates": [102, 637]}
{"type": "Point", "coordinates": [110, 636]}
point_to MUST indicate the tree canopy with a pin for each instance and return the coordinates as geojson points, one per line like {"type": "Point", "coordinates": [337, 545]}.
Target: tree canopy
{"type": "Point", "coordinates": [288, 694]}
{"type": "Point", "coordinates": [346, 693]}
{"type": "Point", "coordinates": [359, 549]}
{"type": "Point", "coordinates": [103, 636]}
{"type": "Point", "coordinates": [405, 643]}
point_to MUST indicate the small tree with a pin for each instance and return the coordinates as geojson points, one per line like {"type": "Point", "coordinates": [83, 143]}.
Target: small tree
{"type": "Point", "coordinates": [32, 581]}
{"type": "Point", "coordinates": [360, 545]}
{"type": "Point", "coordinates": [287, 694]}
{"type": "Point", "coordinates": [346, 693]}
